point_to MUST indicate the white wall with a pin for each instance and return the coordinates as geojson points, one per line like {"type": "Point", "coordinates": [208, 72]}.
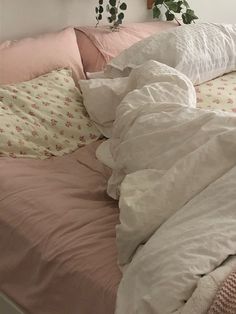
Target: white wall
{"type": "Point", "coordinates": [215, 10]}
{"type": "Point", "coordinates": [20, 18]}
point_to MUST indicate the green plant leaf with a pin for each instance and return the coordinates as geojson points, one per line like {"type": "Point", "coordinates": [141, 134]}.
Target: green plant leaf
{"type": "Point", "coordinates": [169, 16]}
{"type": "Point", "coordinates": [123, 6]}
{"type": "Point", "coordinates": [121, 16]}
{"type": "Point", "coordinates": [100, 2]}
{"type": "Point", "coordinates": [96, 10]}
{"type": "Point", "coordinates": [107, 8]}
{"type": "Point", "coordinates": [100, 9]}
{"type": "Point", "coordinates": [113, 10]}
{"type": "Point", "coordinates": [158, 2]}
{"type": "Point", "coordinates": [185, 3]}
{"type": "Point", "coordinates": [113, 17]}
{"type": "Point", "coordinates": [156, 12]}
{"type": "Point", "coordinates": [100, 17]}
{"type": "Point", "coordinates": [179, 6]}
{"type": "Point", "coordinates": [189, 16]}
{"type": "Point", "coordinates": [173, 6]}
{"type": "Point", "coordinates": [192, 13]}
{"type": "Point", "coordinates": [186, 19]}
{"type": "Point", "coordinates": [112, 3]}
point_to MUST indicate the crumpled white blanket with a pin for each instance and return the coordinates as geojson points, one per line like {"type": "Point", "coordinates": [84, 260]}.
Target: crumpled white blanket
{"type": "Point", "coordinates": [175, 177]}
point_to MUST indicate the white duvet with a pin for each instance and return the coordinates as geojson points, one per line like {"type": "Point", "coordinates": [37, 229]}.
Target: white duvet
{"type": "Point", "coordinates": [174, 173]}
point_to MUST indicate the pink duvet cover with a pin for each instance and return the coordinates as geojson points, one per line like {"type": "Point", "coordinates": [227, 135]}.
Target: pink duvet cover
{"type": "Point", "coordinates": [57, 235]}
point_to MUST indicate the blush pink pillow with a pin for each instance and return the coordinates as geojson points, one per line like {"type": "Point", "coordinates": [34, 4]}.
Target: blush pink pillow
{"type": "Point", "coordinates": [28, 58]}
{"type": "Point", "coordinates": [5, 44]}
{"type": "Point", "coordinates": [98, 45]}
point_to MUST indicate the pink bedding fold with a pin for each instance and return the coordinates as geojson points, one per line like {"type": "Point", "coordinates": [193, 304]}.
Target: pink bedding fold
{"type": "Point", "coordinates": [57, 235]}
{"type": "Point", "coordinates": [225, 299]}
{"type": "Point", "coordinates": [110, 44]}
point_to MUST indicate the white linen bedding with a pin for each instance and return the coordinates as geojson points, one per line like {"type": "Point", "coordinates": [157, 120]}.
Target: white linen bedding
{"type": "Point", "coordinates": [174, 173]}
{"type": "Point", "coordinates": [200, 51]}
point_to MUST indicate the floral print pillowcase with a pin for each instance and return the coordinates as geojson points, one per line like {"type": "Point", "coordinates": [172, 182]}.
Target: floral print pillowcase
{"type": "Point", "coordinates": [218, 94]}
{"type": "Point", "coordinates": [44, 117]}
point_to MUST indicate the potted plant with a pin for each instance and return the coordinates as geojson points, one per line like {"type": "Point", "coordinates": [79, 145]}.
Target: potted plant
{"type": "Point", "coordinates": [115, 10]}
{"type": "Point", "coordinates": [172, 9]}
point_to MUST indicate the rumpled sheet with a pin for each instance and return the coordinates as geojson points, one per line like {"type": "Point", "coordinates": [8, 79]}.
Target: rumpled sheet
{"type": "Point", "coordinates": [174, 175]}
{"type": "Point", "coordinates": [57, 235]}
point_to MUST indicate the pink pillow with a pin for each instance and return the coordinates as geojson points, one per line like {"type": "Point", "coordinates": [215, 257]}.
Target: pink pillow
{"type": "Point", "coordinates": [98, 44]}
{"type": "Point", "coordinates": [5, 44]}
{"type": "Point", "coordinates": [28, 58]}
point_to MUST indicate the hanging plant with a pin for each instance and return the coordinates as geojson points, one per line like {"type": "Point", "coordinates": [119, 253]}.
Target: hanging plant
{"type": "Point", "coordinates": [99, 11]}
{"type": "Point", "coordinates": [115, 10]}
{"type": "Point", "coordinates": [172, 8]}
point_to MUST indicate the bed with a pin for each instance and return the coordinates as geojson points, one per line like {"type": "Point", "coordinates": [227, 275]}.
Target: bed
{"type": "Point", "coordinates": [63, 208]}
{"type": "Point", "coordinates": [36, 88]}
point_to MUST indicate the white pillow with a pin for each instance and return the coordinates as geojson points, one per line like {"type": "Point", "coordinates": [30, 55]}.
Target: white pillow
{"type": "Point", "coordinates": [95, 75]}
{"type": "Point", "coordinates": [103, 96]}
{"type": "Point", "coordinates": [200, 51]}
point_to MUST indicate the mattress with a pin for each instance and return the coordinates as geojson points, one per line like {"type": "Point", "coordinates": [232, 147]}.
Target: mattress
{"type": "Point", "coordinates": [57, 235]}
{"type": "Point", "coordinates": [219, 93]}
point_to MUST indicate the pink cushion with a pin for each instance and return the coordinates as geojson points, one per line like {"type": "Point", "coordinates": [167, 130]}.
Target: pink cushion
{"type": "Point", "coordinates": [99, 45]}
{"type": "Point", "coordinates": [5, 44]}
{"type": "Point", "coordinates": [28, 58]}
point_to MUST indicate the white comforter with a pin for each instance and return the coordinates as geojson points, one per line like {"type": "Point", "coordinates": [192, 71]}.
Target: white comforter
{"type": "Point", "coordinates": [174, 173]}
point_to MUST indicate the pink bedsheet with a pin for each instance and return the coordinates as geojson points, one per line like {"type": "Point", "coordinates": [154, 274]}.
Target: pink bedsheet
{"type": "Point", "coordinates": [57, 235]}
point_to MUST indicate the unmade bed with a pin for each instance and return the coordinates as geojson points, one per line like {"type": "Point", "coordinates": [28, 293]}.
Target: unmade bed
{"type": "Point", "coordinates": [68, 247]}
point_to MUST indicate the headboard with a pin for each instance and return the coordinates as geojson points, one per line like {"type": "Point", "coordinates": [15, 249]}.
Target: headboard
{"type": "Point", "coordinates": [19, 18]}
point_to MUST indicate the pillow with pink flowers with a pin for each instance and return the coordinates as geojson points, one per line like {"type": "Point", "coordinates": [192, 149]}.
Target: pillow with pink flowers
{"type": "Point", "coordinates": [29, 58]}
{"type": "Point", "coordinates": [98, 45]}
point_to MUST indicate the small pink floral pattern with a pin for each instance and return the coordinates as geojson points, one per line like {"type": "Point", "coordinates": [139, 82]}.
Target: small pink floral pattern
{"type": "Point", "coordinates": [218, 94]}
{"type": "Point", "coordinates": [44, 117]}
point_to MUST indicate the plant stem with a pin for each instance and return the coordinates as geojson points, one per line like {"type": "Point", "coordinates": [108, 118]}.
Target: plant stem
{"type": "Point", "coordinates": [117, 7]}
{"type": "Point", "coordinates": [174, 14]}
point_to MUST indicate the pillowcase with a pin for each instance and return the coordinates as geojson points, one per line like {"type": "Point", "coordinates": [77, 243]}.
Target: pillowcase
{"type": "Point", "coordinates": [98, 45]}
{"type": "Point", "coordinates": [101, 98]}
{"type": "Point", "coordinates": [44, 117]}
{"type": "Point", "coordinates": [218, 94]}
{"type": "Point", "coordinates": [28, 58]}
{"type": "Point", "coordinates": [5, 44]}
{"type": "Point", "coordinates": [200, 51]}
